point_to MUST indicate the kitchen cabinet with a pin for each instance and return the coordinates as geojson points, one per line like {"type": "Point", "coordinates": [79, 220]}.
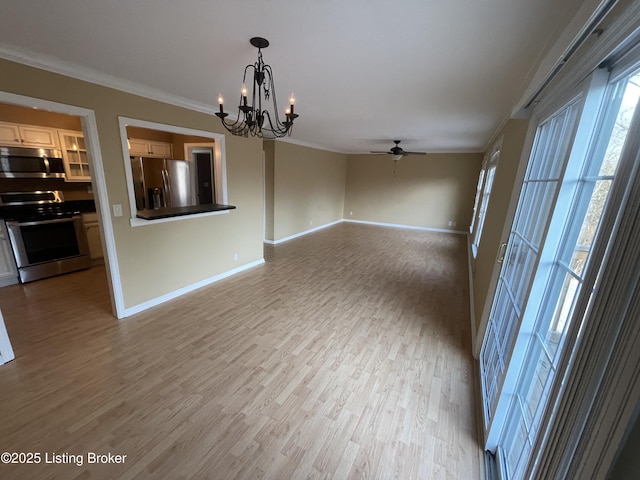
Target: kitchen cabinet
{"type": "Point", "coordinates": [92, 229]}
{"type": "Point", "coordinates": [149, 148]}
{"type": "Point", "coordinates": [15, 134]}
{"type": "Point", "coordinates": [8, 269]}
{"type": "Point", "coordinates": [74, 154]}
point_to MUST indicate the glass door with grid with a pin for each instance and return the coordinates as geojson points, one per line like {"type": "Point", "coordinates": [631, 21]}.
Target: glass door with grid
{"type": "Point", "coordinates": [565, 258]}
{"type": "Point", "coordinates": [542, 179]}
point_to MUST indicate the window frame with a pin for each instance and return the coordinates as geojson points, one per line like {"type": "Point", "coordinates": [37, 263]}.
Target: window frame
{"type": "Point", "coordinates": [483, 194]}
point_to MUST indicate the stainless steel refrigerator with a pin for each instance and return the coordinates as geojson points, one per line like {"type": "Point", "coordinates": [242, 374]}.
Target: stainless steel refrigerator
{"type": "Point", "coordinates": [161, 182]}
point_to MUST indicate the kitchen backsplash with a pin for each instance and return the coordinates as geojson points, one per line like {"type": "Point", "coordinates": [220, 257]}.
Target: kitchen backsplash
{"type": "Point", "coordinates": [71, 191]}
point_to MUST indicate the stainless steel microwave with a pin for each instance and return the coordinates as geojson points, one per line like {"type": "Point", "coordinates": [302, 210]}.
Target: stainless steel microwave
{"type": "Point", "coordinates": [20, 162]}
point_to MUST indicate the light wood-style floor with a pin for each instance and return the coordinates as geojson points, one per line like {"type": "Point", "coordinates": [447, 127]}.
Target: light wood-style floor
{"type": "Point", "coordinates": [347, 355]}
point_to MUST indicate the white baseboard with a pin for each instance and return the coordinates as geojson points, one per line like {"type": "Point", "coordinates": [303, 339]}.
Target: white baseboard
{"type": "Point", "coordinates": [189, 288]}
{"type": "Point", "coordinates": [411, 227]}
{"type": "Point", "coordinates": [306, 232]}
{"type": "Point", "coordinates": [379, 224]}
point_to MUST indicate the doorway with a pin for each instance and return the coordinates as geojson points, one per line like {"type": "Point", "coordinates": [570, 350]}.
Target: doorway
{"type": "Point", "coordinates": [202, 156]}
{"type": "Point", "coordinates": [83, 121]}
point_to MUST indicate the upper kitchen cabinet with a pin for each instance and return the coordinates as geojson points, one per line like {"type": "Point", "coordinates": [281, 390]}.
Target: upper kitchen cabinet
{"type": "Point", "coordinates": [74, 153]}
{"type": "Point", "coordinates": [14, 134]}
{"type": "Point", "coordinates": [149, 148]}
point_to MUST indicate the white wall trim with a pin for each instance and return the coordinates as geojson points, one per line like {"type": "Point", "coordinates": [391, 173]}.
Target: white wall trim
{"type": "Point", "coordinates": [90, 132]}
{"type": "Point", "coordinates": [6, 352]}
{"type": "Point", "coordinates": [300, 234]}
{"type": "Point", "coordinates": [472, 313]}
{"type": "Point", "coordinates": [411, 227]}
{"type": "Point", "coordinates": [189, 288]}
{"type": "Point", "coordinates": [217, 139]}
{"type": "Point", "coordinates": [56, 65]}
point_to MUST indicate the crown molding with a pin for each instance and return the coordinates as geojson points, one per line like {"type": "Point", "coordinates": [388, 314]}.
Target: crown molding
{"type": "Point", "coordinates": [302, 143]}
{"type": "Point", "coordinates": [69, 69]}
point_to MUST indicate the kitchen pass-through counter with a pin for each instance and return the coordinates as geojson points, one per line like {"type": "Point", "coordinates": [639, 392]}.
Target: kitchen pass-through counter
{"type": "Point", "coordinates": [167, 212]}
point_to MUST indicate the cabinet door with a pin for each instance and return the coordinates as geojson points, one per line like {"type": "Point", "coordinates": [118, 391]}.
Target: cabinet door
{"type": "Point", "coordinates": [74, 153]}
{"type": "Point", "coordinates": [38, 137]}
{"type": "Point", "coordinates": [160, 149]}
{"type": "Point", "coordinates": [138, 148]}
{"type": "Point", "coordinates": [9, 134]}
{"type": "Point", "coordinates": [90, 221]}
{"type": "Point", "coordinates": [93, 238]}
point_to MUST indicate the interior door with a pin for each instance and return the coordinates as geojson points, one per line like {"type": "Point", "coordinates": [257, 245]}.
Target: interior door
{"type": "Point", "coordinates": [204, 177]}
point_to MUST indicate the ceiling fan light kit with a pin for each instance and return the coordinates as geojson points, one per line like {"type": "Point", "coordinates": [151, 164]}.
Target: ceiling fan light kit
{"type": "Point", "coordinates": [252, 118]}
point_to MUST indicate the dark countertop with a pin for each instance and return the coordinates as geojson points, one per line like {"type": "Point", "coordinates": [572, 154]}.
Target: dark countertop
{"type": "Point", "coordinates": [180, 211]}
{"type": "Point", "coordinates": [83, 206]}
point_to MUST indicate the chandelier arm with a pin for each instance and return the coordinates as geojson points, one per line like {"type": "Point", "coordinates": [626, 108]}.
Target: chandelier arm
{"type": "Point", "coordinates": [272, 87]}
{"type": "Point", "coordinates": [279, 129]}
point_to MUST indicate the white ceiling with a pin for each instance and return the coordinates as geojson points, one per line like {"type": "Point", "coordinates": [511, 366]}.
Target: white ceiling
{"type": "Point", "coordinates": [440, 75]}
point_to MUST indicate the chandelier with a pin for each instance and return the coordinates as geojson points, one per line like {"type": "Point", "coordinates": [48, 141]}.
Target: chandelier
{"type": "Point", "coordinates": [253, 117]}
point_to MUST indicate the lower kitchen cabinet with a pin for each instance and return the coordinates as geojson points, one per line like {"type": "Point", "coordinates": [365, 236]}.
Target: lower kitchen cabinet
{"type": "Point", "coordinates": [92, 229]}
{"type": "Point", "coordinates": [8, 269]}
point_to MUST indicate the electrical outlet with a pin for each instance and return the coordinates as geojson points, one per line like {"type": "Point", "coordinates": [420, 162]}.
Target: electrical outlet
{"type": "Point", "coordinates": [117, 210]}
{"type": "Point", "coordinates": [235, 257]}
{"type": "Point", "coordinates": [450, 223]}
{"type": "Point", "coordinates": [350, 213]}
{"type": "Point", "coordinates": [310, 222]}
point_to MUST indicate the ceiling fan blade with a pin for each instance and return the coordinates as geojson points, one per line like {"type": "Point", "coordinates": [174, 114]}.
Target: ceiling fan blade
{"type": "Point", "coordinates": [379, 152]}
{"type": "Point", "coordinates": [413, 153]}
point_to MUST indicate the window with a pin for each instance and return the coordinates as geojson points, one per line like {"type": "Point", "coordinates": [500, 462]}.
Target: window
{"type": "Point", "coordinates": [483, 192]}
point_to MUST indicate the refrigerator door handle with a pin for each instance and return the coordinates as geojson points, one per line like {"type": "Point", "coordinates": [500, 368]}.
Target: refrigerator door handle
{"type": "Point", "coordinates": [166, 189]}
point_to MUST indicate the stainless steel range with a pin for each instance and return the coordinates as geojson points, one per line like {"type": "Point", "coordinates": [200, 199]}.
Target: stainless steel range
{"type": "Point", "coordinates": [47, 235]}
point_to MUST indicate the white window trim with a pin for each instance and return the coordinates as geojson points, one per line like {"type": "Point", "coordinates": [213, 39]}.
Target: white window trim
{"type": "Point", "coordinates": [220, 167]}
{"type": "Point", "coordinates": [599, 396]}
{"type": "Point", "coordinates": [483, 195]}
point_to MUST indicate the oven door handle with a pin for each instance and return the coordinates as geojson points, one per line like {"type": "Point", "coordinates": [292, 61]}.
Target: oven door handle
{"type": "Point", "coordinates": [42, 222]}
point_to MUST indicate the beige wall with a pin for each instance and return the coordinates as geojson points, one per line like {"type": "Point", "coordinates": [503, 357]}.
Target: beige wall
{"type": "Point", "coordinates": [160, 258]}
{"type": "Point", "coordinates": [425, 191]}
{"type": "Point", "coordinates": [29, 116]}
{"type": "Point", "coordinates": [308, 188]}
{"type": "Point", "coordinates": [513, 140]}
{"type": "Point", "coordinates": [269, 180]}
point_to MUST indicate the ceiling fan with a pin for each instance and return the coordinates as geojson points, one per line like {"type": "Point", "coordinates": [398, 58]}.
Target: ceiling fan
{"type": "Point", "coordinates": [398, 152]}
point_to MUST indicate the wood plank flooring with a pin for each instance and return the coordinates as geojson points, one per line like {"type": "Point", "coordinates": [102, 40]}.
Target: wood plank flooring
{"type": "Point", "coordinates": [345, 356]}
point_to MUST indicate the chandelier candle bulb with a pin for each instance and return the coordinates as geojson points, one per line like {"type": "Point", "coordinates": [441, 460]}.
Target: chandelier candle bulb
{"type": "Point", "coordinates": [221, 102]}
